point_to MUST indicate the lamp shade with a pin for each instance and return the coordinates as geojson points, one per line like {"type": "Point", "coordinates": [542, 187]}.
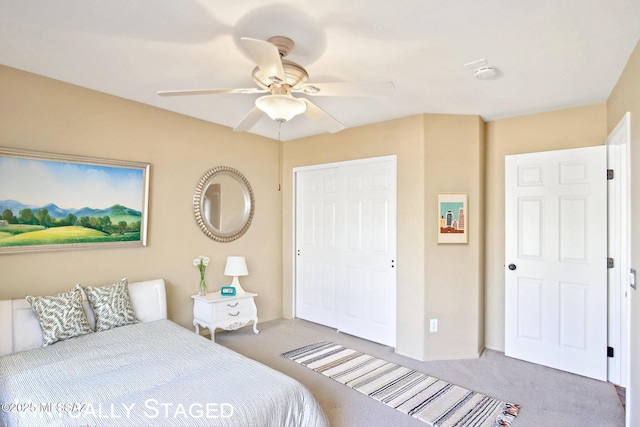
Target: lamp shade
{"type": "Point", "coordinates": [236, 266]}
{"type": "Point", "coordinates": [281, 108]}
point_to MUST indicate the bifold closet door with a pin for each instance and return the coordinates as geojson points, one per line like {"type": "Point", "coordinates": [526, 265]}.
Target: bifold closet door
{"type": "Point", "coordinates": [346, 248]}
{"type": "Point", "coordinates": [317, 254]}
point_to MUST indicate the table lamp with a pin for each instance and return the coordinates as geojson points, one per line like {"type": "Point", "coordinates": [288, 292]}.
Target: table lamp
{"type": "Point", "coordinates": [236, 266]}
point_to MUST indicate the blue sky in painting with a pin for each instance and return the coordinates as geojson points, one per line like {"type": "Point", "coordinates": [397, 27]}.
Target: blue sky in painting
{"type": "Point", "coordinates": [69, 185]}
{"type": "Point", "coordinates": [454, 207]}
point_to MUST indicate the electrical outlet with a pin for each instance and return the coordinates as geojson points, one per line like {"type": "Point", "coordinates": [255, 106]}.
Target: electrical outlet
{"type": "Point", "coordinates": [433, 325]}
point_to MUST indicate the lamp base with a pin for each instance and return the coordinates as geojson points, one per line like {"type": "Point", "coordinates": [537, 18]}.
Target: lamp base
{"type": "Point", "coordinates": [236, 284]}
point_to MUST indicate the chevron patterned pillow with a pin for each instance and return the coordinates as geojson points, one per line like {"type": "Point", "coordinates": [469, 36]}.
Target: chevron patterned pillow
{"type": "Point", "coordinates": [111, 305]}
{"type": "Point", "coordinates": [61, 316]}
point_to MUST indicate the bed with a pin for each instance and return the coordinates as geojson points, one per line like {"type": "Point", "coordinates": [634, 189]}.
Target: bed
{"type": "Point", "coordinates": [151, 373]}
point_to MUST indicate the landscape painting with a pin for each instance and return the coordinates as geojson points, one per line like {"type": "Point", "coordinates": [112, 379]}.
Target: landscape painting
{"type": "Point", "coordinates": [51, 201]}
{"type": "Point", "coordinates": [452, 218]}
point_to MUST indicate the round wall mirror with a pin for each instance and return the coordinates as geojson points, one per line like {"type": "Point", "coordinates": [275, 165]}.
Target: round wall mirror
{"type": "Point", "coordinates": [223, 204]}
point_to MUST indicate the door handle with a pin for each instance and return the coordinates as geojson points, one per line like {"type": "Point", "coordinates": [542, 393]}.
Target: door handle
{"type": "Point", "coordinates": [512, 267]}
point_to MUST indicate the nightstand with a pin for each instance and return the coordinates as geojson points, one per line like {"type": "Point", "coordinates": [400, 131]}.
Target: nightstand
{"type": "Point", "coordinates": [230, 313]}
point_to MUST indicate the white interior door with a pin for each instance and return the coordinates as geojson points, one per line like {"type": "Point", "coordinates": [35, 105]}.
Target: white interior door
{"type": "Point", "coordinates": [555, 259]}
{"type": "Point", "coordinates": [346, 247]}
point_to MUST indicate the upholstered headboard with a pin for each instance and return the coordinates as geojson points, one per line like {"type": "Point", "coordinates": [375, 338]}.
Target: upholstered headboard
{"type": "Point", "coordinates": [20, 329]}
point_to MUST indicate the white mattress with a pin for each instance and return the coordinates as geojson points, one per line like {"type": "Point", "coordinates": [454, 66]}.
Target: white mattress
{"type": "Point", "coordinates": [148, 374]}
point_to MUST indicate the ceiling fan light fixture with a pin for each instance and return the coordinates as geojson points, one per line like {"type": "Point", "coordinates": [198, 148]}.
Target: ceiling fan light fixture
{"type": "Point", "coordinates": [281, 108]}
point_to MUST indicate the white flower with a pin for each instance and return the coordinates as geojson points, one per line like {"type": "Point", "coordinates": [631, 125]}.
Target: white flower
{"type": "Point", "coordinates": [201, 260]}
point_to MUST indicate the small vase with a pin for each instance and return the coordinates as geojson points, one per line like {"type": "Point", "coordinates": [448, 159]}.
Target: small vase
{"type": "Point", "coordinates": [203, 288]}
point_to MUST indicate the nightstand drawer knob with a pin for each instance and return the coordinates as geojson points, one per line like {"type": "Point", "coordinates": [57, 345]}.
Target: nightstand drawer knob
{"type": "Point", "coordinates": [233, 305]}
{"type": "Point", "coordinates": [234, 315]}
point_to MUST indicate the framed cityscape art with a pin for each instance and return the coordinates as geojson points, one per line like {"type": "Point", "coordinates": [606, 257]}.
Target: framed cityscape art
{"type": "Point", "coordinates": [453, 218]}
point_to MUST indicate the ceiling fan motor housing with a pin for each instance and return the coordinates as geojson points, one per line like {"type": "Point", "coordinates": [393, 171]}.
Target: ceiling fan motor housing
{"type": "Point", "coordinates": [295, 75]}
{"type": "Point", "coordinates": [284, 44]}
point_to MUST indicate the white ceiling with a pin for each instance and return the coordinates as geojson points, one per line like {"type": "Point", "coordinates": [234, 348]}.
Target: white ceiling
{"type": "Point", "coordinates": [551, 54]}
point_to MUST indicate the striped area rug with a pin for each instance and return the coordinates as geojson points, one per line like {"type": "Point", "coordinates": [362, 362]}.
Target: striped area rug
{"type": "Point", "coordinates": [436, 402]}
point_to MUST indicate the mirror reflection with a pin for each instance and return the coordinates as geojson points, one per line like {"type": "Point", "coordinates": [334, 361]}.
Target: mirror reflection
{"type": "Point", "coordinates": [223, 204]}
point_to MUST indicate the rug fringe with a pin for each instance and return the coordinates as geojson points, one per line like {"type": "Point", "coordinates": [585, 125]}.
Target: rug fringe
{"type": "Point", "coordinates": [507, 415]}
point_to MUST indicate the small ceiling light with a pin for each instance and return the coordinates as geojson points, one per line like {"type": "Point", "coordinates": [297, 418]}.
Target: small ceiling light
{"type": "Point", "coordinates": [281, 108]}
{"type": "Point", "coordinates": [485, 73]}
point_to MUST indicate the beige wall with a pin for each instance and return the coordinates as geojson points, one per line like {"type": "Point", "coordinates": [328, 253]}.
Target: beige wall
{"type": "Point", "coordinates": [555, 130]}
{"type": "Point", "coordinates": [454, 147]}
{"type": "Point", "coordinates": [436, 153]}
{"type": "Point", "coordinates": [40, 114]}
{"type": "Point", "coordinates": [626, 97]}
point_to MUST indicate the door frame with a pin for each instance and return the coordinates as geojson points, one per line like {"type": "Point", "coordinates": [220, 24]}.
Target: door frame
{"type": "Point", "coordinates": [618, 145]}
{"type": "Point", "coordinates": [294, 284]}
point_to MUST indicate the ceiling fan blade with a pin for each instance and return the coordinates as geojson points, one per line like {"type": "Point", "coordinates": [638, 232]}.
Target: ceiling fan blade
{"type": "Point", "coordinates": [266, 56]}
{"type": "Point", "coordinates": [325, 119]}
{"type": "Point", "coordinates": [348, 89]}
{"type": "Point", "coordinates": [209, 91]}
{"type": "Point", "coordinates": [249, 120]}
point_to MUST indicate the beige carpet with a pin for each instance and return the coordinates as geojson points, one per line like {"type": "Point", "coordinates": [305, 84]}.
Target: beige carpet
{"type": "Point", "coordinates": [548, 397]}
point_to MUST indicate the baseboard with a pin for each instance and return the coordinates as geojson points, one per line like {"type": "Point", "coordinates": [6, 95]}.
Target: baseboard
{"type": "Point", "coordinates": [423, 359]}
{"type": "Point", "coordinates": [410, 355]}
{"type": "Point", "coordinates": [494, 348]}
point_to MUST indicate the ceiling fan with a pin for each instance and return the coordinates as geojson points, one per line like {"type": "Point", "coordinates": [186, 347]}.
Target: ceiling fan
{"type": "Point", "coordinates": [280, 78]}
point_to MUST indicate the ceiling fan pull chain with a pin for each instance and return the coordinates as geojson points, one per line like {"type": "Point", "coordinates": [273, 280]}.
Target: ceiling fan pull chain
{"type": "Point", "coordinates": [279, 157]}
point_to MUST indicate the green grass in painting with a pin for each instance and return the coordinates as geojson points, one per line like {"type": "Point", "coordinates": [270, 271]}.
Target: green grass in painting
{"type": "Point", "coordinates": [65, 235]}
{"type": "Point", "coordinates": [20, 228]}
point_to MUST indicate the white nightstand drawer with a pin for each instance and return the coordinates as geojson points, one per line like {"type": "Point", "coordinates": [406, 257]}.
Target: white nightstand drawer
{"type": "Point", "coordinates": [236, 306]}
{"type": "Point", "coordinates": [215, 311]}
{"type": "Point", "coordinates": [229, 315]}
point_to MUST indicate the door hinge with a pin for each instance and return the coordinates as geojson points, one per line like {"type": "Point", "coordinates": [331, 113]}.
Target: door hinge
{"type": "Point", "coordinates": [609, 351]}
{"type": "Point", "coordinates": [609, 174]}
{"type": "Point", "coordinates": [609, 262]}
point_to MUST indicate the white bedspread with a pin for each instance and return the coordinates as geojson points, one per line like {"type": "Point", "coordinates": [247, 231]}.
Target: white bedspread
{"type": "Point", "coordinates": [148, 374]}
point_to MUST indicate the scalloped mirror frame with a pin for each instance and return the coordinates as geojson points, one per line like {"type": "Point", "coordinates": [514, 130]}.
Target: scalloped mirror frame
{"type": "Point", "coordinates": [198, 204]}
